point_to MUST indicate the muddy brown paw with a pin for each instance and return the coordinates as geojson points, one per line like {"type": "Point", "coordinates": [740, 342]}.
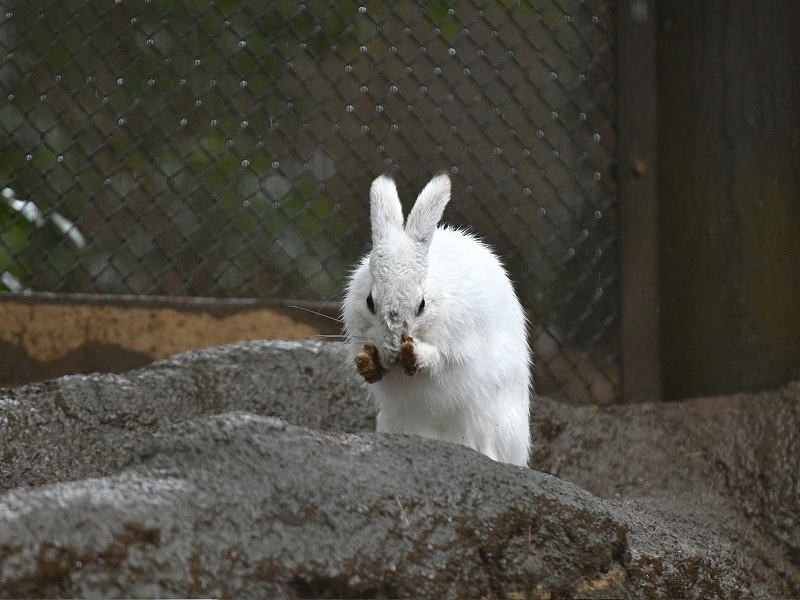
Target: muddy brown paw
{"type": "Point", "coordinates": [407, 356]}
{"type": "Point", "coordinates": [368, 364]}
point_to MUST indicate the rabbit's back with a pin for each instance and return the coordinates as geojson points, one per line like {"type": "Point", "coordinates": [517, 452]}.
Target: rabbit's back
{"type": "Point", "coordinates": [476, 296]}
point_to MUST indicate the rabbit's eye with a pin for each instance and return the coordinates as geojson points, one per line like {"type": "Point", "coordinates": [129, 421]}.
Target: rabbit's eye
{"type": "Point", "coordinates": [371, 303]}
{"type": "Point", "coordinates": [421, 307]}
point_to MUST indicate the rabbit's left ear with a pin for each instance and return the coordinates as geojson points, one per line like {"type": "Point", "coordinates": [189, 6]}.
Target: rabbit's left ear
{"type": "Point", "coordinates": [428, 209]}
{"type": "Point", "coordinates": [386, 213]}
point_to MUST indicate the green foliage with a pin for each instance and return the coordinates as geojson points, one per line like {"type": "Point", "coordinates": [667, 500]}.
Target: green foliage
{"type": "Point", "coordinates": [20, 222]}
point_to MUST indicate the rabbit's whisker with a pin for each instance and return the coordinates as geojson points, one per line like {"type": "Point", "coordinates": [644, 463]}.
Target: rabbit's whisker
{"type": "Point", "coordinates": [316, 313]}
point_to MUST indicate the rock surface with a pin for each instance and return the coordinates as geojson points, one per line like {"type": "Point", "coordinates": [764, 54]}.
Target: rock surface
{"type": "Point", "coordinates": [251, 470]}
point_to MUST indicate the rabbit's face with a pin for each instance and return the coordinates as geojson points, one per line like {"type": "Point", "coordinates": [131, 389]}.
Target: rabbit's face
{"type": "Point", "coordinates": [396, 299]}
{"type": "Point", "coordinates": [386, 297]}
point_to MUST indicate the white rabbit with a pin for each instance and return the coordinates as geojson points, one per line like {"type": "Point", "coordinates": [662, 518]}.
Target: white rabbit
{"type": "Point", "coordinates": [435, 326]}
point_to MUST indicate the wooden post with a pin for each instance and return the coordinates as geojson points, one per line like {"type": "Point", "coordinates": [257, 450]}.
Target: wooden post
{"type": "Point", "coordinates": [729, 190]}
{"type": "Point", "coordinates": [638, 200]}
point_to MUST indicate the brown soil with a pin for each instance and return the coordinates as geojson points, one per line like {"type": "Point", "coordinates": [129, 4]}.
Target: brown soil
{"type": "Point", "coordinates": [42, 338]}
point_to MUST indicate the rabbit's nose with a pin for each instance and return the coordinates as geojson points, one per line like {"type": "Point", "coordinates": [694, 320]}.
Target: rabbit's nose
{"type": "Point", "coordinates": [395, 319]}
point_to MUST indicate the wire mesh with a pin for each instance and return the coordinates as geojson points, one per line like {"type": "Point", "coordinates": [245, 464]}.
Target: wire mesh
{"type": "Point", "coordinates": [226, 149]}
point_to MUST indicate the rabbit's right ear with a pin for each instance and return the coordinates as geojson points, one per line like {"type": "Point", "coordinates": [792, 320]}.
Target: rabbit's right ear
{"type": "Point", "coordinates": [428, 209]}
{"type": "Point", "coordinates": [386, 212]}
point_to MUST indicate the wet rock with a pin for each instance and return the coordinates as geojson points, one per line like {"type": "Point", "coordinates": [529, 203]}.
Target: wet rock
{"type": "Point", "coordinates": [240, 505]}
{"type": "Point", "coordinates": [251, 470]}
{"type": "Point", "coordinates": [90, 425]}
{"type": "Point", "coordinates": [727, 466]}
{"type": "Point", "coordinates": [243, 505]}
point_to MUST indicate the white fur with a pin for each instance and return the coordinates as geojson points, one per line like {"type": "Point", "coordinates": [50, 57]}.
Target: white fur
{"type": "Point", "coordinates": [470, 340]}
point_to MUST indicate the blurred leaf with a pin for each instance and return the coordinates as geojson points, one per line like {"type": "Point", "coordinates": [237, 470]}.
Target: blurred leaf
{"type": "Point", "coordinates": [15, 237]}
{"type": "Point", "coordinates": [10, 283]}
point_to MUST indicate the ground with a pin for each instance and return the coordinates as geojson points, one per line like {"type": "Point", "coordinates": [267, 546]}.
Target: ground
{"type": "Point", "coordinates": [41, 339]}
{"type": "Point", "coordinates": [48, 335]}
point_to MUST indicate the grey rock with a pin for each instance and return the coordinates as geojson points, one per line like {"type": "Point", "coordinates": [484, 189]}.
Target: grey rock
{"type": "Point", "coordinates": [247, 506]}
{"type": "Point", "coordinates": [251, 470]}
{"type": "Point", "coordinates": [726, 466]}
{"type": "Point", "coordinates": [91, 425]}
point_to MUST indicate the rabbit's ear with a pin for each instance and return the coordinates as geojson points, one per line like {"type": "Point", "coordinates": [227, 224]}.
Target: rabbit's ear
{"type": "Point", "coordinates": [428, 209]}
{"type": "Point", "coordinates": [386, 212]}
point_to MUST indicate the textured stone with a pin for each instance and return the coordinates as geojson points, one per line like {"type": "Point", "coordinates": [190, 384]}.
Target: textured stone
{"type": "Point", "coordinates": [90, 425]}
{"type": "Point", "coordinates": [251, 470]}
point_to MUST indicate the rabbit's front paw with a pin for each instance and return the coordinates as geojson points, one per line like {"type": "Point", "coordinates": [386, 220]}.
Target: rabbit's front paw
{"type": "Point", "coordinates": [408, 357]}
{"type": "Point", "coordinates": [368, 364]}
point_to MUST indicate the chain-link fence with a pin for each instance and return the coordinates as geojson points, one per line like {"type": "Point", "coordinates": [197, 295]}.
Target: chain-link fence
{"type": "Point", "coordinates": [225, 148]}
